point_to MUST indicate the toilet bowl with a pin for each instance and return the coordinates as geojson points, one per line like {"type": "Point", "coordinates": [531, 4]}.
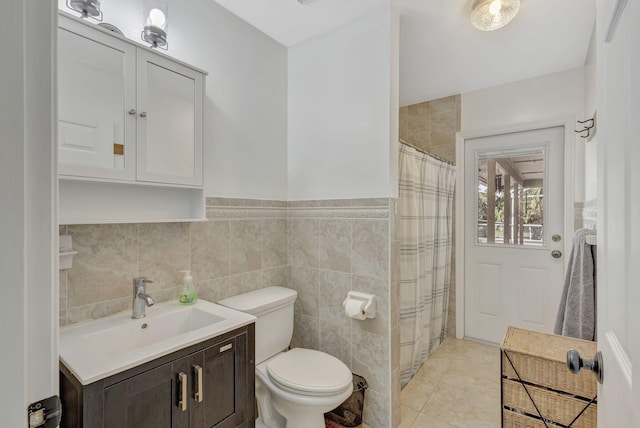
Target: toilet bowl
{"type": "Point", "coordinates": [304, 384]}
{"type": "Point", "coordinates": [293, 388]}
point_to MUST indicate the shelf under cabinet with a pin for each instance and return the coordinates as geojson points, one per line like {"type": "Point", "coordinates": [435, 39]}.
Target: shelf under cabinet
{"type": "Point", "coordinates": [95, 202]}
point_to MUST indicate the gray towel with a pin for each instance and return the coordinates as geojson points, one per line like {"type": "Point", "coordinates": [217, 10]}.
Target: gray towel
{"type": "Point", "coordinates": [577, 311]}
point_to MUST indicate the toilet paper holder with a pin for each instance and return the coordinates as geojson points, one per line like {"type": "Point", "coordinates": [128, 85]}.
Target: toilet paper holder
{"type": "Point", "coordinates": [360, 305]}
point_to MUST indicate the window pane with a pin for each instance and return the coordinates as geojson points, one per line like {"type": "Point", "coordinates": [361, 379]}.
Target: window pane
{"type": "Point", "coordinates": [511, 197]}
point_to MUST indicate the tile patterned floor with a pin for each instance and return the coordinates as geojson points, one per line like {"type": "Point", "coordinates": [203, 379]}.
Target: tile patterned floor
{"type": "Point", "coordinates": [458, 387]}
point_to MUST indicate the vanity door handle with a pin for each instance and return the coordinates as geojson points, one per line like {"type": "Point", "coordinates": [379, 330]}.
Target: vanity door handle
{"type": "Point", "coordinates": [182, 381]}
{"type": "Point", "coordinates": [132, 112]}
{"type": "Point", "coordinates": [143, 114]}
{"type": "Point", "coordinates": [199, 395]}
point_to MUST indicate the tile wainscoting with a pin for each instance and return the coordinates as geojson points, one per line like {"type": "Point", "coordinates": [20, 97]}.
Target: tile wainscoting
{"type": "Point", "coordinates": [228, 254]}
{"type": "Point", "coordinates": [335, 247]}
{"type": "Point", "coordinates": [322, 249]}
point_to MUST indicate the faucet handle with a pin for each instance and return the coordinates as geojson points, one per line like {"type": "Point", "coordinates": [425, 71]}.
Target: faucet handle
{"type": "Point", "coordinates": [141, 281]}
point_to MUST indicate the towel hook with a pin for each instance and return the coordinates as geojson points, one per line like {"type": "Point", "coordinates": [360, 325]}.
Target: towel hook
{"type": "Point", "coordinates": [587, 126]}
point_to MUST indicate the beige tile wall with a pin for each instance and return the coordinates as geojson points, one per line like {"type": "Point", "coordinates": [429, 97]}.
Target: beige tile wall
{"type": "Point", "coordinates": [394, 236]}
{"type": "Point", "coordinates": [243, 246]}
{"type": "Point", "coordinates": [334, 247]}
{"type": "Point", "coordinates": [322, 249]}
{"type": "Point", "coordinates": [432, 126]}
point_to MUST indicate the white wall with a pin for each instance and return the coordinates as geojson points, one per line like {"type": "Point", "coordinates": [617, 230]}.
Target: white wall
{"type": "Point", "coordinates": [29, 304]}
{"type": "Point", "coordinates": [342, 105]}
{"type": "Point", "coordinates": [591, 147]}
{"type": "Point", "coordinates": [394, 105]}
{"type": "Point", "coordinates": [554, 96]}
{"type": "Point", "coordinates": [246, 103]}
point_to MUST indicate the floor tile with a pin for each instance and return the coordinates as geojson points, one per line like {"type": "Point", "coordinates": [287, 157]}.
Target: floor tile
{"type": "Point", "coordinates": [458, 386]}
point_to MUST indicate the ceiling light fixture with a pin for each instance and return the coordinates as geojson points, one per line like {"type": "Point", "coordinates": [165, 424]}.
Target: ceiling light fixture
{"type": "Point", "coordinates": [489, 15]}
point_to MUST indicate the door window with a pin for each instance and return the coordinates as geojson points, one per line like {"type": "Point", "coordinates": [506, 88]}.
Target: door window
{"type": "Point", "coordinates": [510, 197]}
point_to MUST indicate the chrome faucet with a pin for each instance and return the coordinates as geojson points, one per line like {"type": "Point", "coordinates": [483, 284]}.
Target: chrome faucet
{"type": "Point", "coordinates": [140, 297]}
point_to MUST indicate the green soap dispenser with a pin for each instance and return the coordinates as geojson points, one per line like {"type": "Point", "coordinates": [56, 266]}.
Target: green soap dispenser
{"type": "Point", "coordinates": [188, 294]}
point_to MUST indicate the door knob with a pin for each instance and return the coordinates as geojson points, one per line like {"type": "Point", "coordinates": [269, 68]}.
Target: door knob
{"type": "Point", "coordinates": [575, 363]}
{"type": "Point", "coordinates": [143, 114]}
{"type": "Point", "coordinates": [556, 254]}
{"type": "Point", "coordinates": [556, 238]}
{"type": "Point", "coordinates": [132, 112]}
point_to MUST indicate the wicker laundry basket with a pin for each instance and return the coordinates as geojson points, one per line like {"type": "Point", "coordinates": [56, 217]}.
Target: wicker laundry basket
{"type": "Point", "coordinates": [537, 386]}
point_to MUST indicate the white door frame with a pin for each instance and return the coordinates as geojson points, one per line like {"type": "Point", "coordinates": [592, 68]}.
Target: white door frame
{"type": "Point", "coordinates": [29, 230]}
{"type": "Point", "coordinates": [569, 196]}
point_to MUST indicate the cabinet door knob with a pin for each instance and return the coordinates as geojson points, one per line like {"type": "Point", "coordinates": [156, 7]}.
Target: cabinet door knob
{"type": "Point", "coordinates": [143, 114]}
{"type": "Point", "coordinates": [199, 395]}
{"type": "Point", "coordinates": [182, 385]}
{"type": "Point", "coordinates": [132, 112]}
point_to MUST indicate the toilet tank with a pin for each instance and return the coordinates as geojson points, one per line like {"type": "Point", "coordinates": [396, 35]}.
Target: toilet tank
{"type": "Point", "coordinates": [273, 308]}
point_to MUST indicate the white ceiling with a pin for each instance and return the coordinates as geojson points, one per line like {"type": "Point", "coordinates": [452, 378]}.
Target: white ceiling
{"type": "Point", "coordinates": [441, 53]}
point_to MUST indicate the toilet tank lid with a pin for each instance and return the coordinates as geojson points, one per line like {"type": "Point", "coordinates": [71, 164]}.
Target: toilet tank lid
{"type": "Point", "coordinates": [261, 301]}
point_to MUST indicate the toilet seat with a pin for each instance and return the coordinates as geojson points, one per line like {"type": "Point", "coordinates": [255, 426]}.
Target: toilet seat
{"type": "Point", "coordinates": [309, 372]}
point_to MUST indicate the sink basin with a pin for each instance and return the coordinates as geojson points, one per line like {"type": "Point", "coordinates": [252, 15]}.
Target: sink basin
{"type": "Point", "coordinates": [125, 338]}
{"type": "Point", "coordinates": [97, 349]}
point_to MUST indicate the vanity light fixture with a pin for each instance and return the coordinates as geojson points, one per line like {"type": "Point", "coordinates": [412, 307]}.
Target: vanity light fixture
{"type": "Point", "coordinates": [155, 16]}
{"type": "Point", "coordinates": [87, 8]}
{"type": "Point", "coordinates": [489, 15]}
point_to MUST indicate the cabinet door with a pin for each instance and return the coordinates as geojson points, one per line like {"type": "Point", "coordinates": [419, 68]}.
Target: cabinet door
{"type": "Point", "coordinates": [150, 400]}
{"type": "Point", "coordinates": [170, 104]}
{"type": "Point", "coordinates": [222, 405]}
{"type": "Point", "coordinates": [96, 91]}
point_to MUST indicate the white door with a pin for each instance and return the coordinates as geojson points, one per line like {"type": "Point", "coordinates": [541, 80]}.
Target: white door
{"type": "Point", "coordinates": [514, 231]}
{"type": "Point", "coordinates": [618, 207]}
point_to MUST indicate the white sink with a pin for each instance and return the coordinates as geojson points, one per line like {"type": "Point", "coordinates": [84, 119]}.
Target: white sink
{"type": "Point", "coordinates": [98, 349]}
{"type": "Point", "coordinates": [144, 332]}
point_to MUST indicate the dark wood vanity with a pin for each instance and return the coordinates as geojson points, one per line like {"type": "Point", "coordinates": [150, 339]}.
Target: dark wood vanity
{"type": "Point", "coordinates": [210, 384]}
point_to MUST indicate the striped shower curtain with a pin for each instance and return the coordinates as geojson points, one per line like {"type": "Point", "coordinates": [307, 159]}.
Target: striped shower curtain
{"type": "Point", "coordinates": [425, 209]}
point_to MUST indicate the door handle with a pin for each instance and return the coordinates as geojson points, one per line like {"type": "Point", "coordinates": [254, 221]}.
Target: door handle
{"type": "Point", "coordinates": [575, 363]}
{"type": "Point", "coordinates": [556, 254]}
{"type": "Point", "coordinates": [182, 385]}
{"type": "Point", "coordinates": [199, 395]}
{"type": "Point", "coordinates": [143, 114]}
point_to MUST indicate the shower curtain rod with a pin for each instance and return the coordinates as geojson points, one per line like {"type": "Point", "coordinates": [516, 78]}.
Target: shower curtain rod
{"type": "Point", "coordinates": [426, 152]}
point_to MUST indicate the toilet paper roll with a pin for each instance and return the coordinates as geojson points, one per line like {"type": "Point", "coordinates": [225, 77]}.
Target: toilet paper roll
{"type": "Point", "coordinates": [354, 309]}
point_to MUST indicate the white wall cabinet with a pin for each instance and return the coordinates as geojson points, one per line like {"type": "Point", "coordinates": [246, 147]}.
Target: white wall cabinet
{"type": "Point", "coordinates": [128, 118]}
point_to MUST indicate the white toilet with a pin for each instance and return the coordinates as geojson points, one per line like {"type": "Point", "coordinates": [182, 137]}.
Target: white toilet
{"type": "Point", "coordinates": [293, 388]}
